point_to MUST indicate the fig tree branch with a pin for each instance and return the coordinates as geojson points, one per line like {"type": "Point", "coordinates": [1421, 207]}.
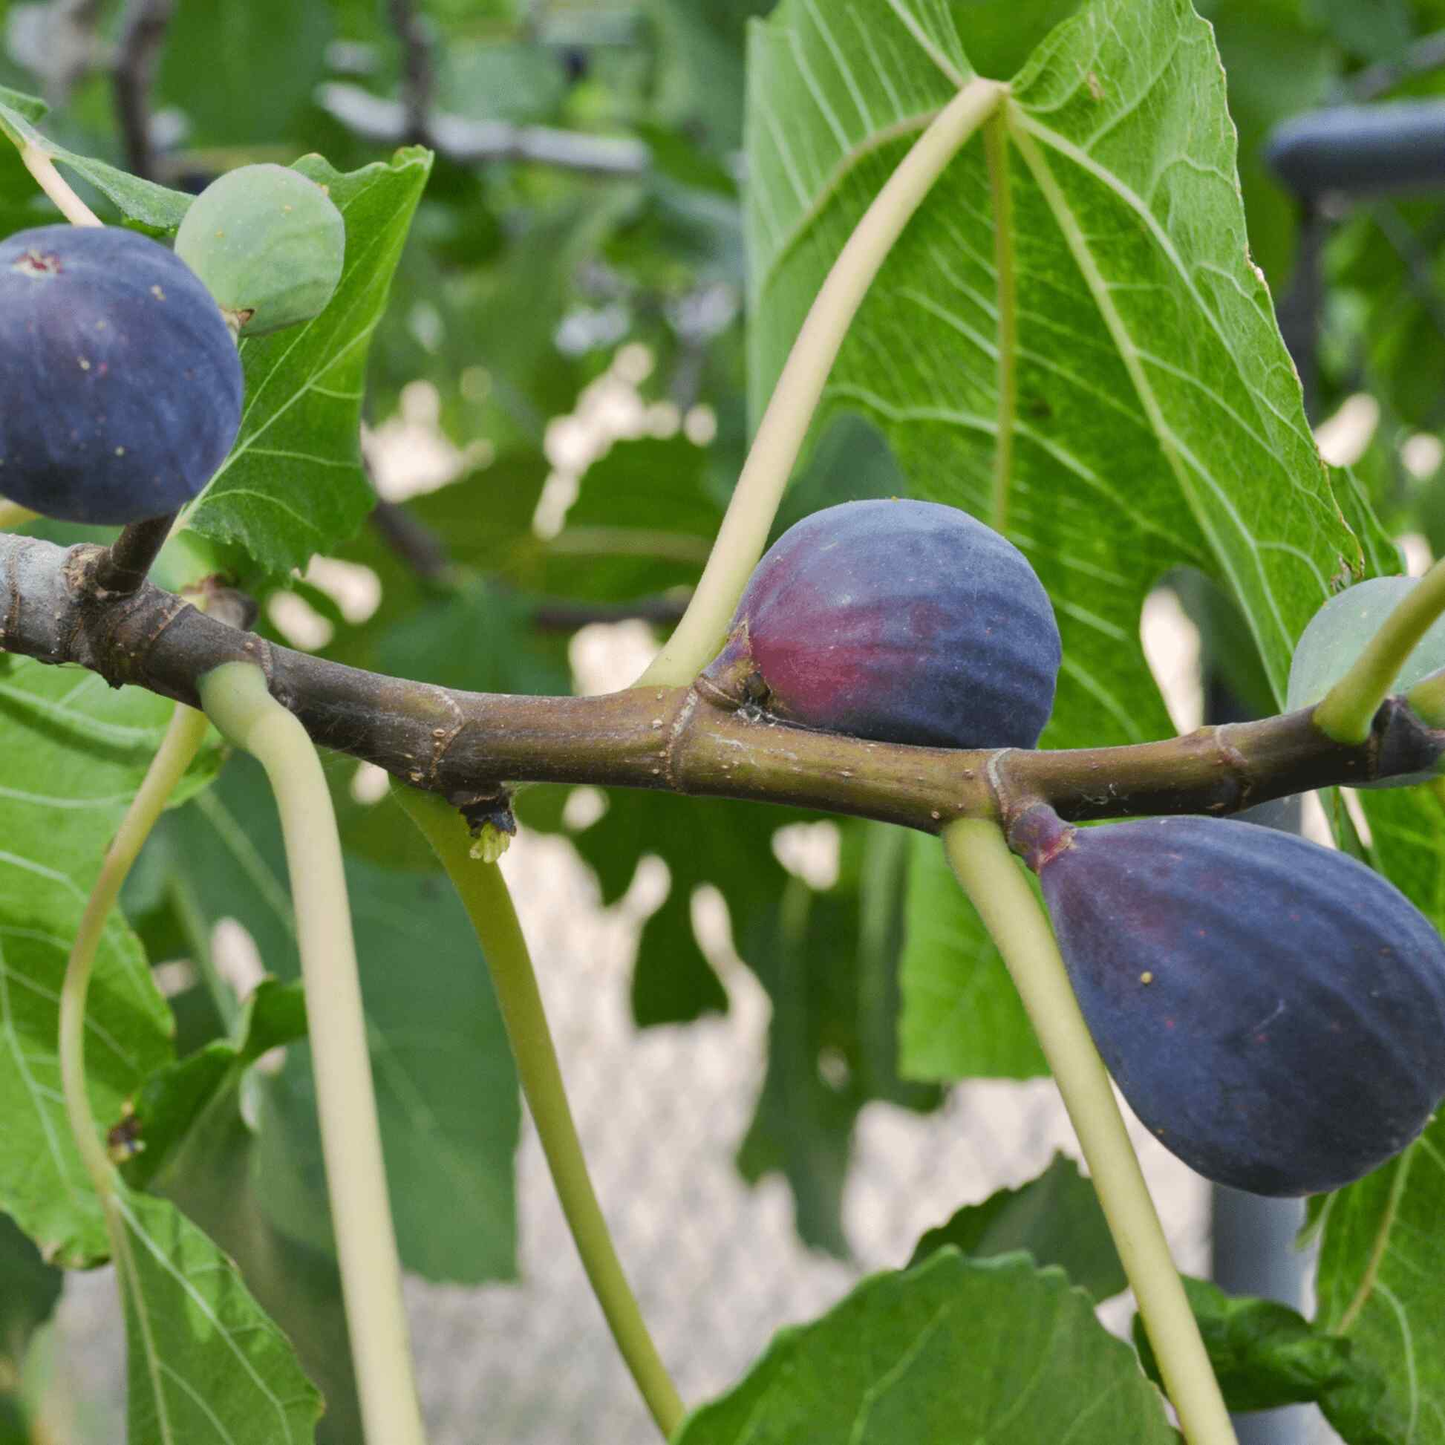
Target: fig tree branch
{"type": "Point", "coordinates": [414, 32]}
{"type": "Point", "coordinates": [466, 746]}
{"type": "Point", "coordinates": [475, 142]}
{"type": "Point", "coordinates": [127, 560]}
{"type": "Point", "coordinates": [142, 33]}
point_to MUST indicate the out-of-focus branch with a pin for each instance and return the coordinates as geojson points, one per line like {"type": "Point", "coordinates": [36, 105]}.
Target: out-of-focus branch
{"type": "Point", "coordinates": [1418, 261]}
{"type": "Point", "coordinates": [425, 553]}
{"type": "Point", "coordinates": [418, 68]}
{"type": "Point", "coordinates": [475, 142]}
{"type": "Point", "coordinates": [413, 541]}
{"type": "Point", "coordinates": [561, 616]}
{"type": "Point", "coordinates": [133, 68]}
{"type": "Point", "coordinates": [1427, 53]}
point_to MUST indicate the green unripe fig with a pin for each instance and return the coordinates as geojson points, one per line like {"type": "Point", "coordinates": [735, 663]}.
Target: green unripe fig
{"type": "Point", "coordinates": [268, 242]}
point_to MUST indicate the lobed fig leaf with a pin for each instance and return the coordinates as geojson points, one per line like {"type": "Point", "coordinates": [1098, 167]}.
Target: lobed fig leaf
{"type": "Point", "coordinates": [269, 244]}
{"type": "Point", "coordinates": [1273, 1011]}
{"type": "Point", "coordinates": [121, 384]}
{"type": "Point", "coordinates": [898, 620]}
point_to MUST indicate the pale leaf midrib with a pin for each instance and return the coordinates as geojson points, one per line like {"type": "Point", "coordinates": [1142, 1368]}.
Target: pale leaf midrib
{"type": "Point", "coordinates": [1169, 444]}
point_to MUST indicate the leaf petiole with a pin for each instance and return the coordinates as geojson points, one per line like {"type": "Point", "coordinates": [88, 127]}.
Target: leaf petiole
{"type": "Point", "coordinates": [484, 894]}
{"type": "Point", "coordinates": [789, 413]}
{"type": "Point", "coordinates": [236, 698]}
{"type": "Point", "coordinates": [57, 187]}
{"type": "Point", "coordinates": [991, 877]}
{"type": "Point", "coordinates": [184, 736]}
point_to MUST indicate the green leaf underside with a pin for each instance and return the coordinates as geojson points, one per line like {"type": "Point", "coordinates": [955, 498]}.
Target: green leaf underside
{"type": "Point", "coordinates": [1056, 1218]}
{"type": "Point", "coordinates": [1381, 1282]}
{"type": "Point", "coordinates": [72, 753]}
{"type": "Point", "coordinates": [293, 484]}
{"type": "Point", "coordinates": [179, 1096]}
{"type": "Point", "coordinates": [446, 1088]}
{"type": "Point", "coordinates": [31, 1291]}
{"type": "Point", "coordinates": [962, 1016]}
{"type": "Point", "coordinates": [204, 1363]}
{"type": "Point", "coordinates": [1126, 248]}
{"type": "Point", "coordinates": [1265, 1355]}
{"type": "Point", "coordinates": [952, 1350]}
{"type": "Point", "coordinates": [1127, 371]}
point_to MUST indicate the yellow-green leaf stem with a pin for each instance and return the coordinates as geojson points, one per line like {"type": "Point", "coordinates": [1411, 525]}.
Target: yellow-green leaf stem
{"type": "Point", "coordinates": [995, 146]}
{"type": "Point", "coordinates": [789, 413]}
{"type": "Point", "coordinates": [1350, 705]}
{"type": "Point", "coordinates": [184, 736]}
{"type": "Point", "coordinates": [57, 187]}
{"type": "Point", "coordinates": [236, 698]}
{"type": "Point", "coordinates": [483, 891]}
{"type": "Point", "coordinates": [996, 886]}
{"type": "Point", "coordinates": [13, 515]}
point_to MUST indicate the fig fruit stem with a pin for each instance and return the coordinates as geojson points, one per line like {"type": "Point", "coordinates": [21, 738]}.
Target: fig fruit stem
{"type": "Point", "coordinates": [789, 415]}
{"type": "Point", "coordinates": [484, 894]}
{"type": "Point", "coordinates": [998, 889]}
{"type": "Point", "coordinates": [57, 187]}
{"type": "Point", "coordinates": [235, 697]}
{"type": "Point", "coordinates": [1348, 709]}
{"type": "Point", "coordinates": [184, 735]}
{"type": "Point", "coordinates": [13, 515]}
{"type": "Point", "coordinates": [125, 564]}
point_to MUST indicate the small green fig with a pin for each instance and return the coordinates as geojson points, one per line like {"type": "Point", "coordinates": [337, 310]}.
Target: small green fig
{"type": "Point", "coordinates": [268, 242]}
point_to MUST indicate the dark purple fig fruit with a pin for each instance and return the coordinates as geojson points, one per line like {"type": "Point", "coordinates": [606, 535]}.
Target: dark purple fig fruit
{"type": "Point", "coordinates": [121, 385]}
{"type": "Point", "coordinates": [904, 621]}
{"type": "Point", "coordinates": [1272, 1010]}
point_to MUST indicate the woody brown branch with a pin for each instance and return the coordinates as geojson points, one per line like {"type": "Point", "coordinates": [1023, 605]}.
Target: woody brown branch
{"type": "Point", "coordinates": [463, 745]}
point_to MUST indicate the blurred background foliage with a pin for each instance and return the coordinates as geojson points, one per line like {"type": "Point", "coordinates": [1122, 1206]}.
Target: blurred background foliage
{"type": "Point", "coordinates": [554, 417]}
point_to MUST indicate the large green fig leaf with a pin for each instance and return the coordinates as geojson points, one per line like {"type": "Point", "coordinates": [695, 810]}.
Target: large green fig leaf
{"type": "Point", "coordinates": [72, 754]}
{"type": "Point", "coordinates": [1120, 247]}
{"type": "Point", "coordinates": [1072, 344]}
{"type": "Point", "coordinates": [1056, 1218]}
{"type": "Point", "coordinates": [29, 1291]}
{"type": "Point", "coordinates": [204, 1364]}
{"type": "Point", "coordinates": [1381, 1267]}
{"type": "Point", "coordinates": [962, 1017]}
{"type": "Point", "coordinates": [1265, 1354]}
{"type": "Point", "coordinates": [446, 1088]}
{"type": "Point", "coordinates": [952, 1350]}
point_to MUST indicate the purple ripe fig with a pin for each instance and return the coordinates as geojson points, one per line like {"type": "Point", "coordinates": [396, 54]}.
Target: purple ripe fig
{"type": "Point", "coordinates": [1272, 1010]}
{"type": "Point", "coordinates": [903, 621]}
{"type": "Point", "coordinates": [121, 384]}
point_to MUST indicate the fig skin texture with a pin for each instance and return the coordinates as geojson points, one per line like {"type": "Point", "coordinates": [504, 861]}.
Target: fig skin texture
{"type": "Point", "coordinates": [269, 243]}
{"type": "Point", "coordinates": [897, 620]}
{"type": "Point", "coordinates": [1272, 1010]}
{"type": "Point", "coordinates": [121, 384]}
